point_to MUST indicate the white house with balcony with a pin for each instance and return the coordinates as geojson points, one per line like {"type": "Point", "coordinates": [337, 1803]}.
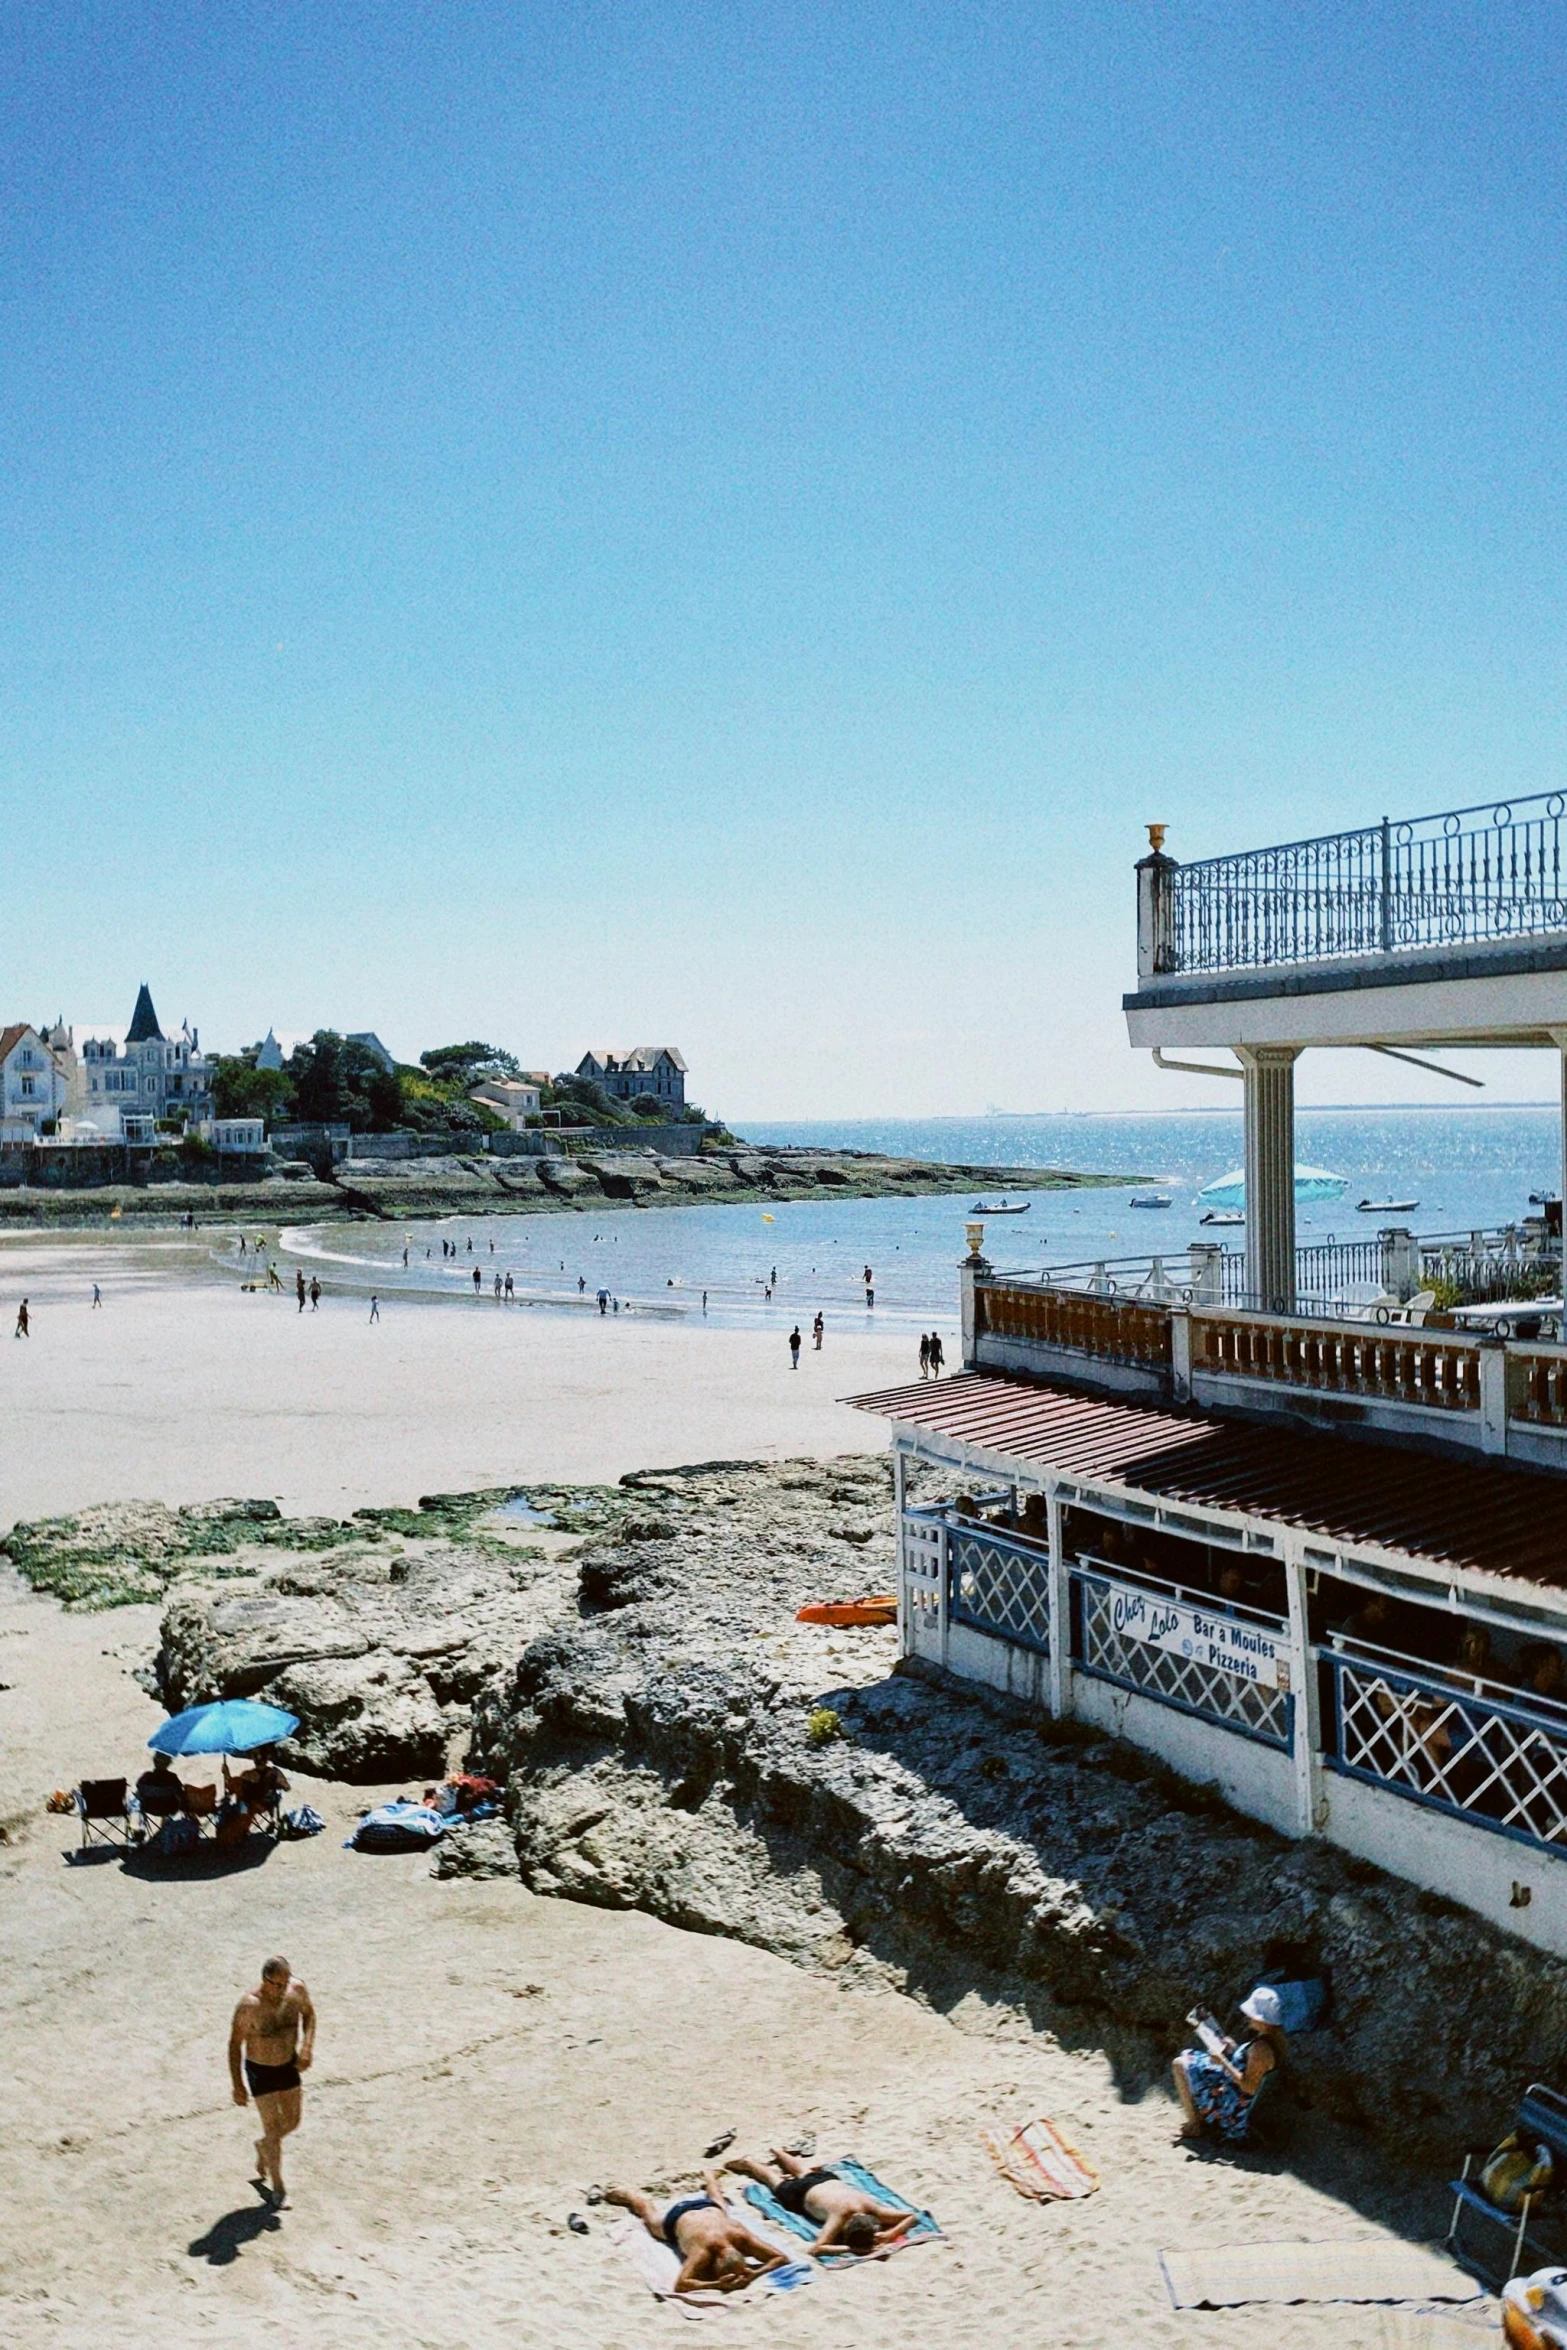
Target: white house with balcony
{"type": "Point", "coordinates": [32, 1084]}
{"type": "Point", "coordinates": [1309, 1549]}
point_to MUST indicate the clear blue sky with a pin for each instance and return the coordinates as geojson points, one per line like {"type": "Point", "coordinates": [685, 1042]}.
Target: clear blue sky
{"type": "Point", "coordinates": [602, 523]}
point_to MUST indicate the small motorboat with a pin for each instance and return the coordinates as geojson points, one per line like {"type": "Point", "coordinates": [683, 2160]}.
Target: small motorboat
{"type": "Point", "coordinates": [1151, 1199]}
{"type": "Point", "coordinates": [1386, 1207]}
{"type": "Point", "coordinates": [1001, 1207]}
{"type": "Point", "coordinates": [1224, 1216]}
{"type": "Point", "coordinates": [879, 1607]}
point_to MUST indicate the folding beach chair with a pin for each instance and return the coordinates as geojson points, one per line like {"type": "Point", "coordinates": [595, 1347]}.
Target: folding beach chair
{"type": "Point", "coordinates": [101, 1808]}
{"type": "Point", "coordinates": [201, 1805]}
{"type": "Point", "coordinates": [1541, 2123]}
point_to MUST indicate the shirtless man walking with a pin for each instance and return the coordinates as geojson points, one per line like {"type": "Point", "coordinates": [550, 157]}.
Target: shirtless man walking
{"type": "Point", "coordinates": [274, 2036]}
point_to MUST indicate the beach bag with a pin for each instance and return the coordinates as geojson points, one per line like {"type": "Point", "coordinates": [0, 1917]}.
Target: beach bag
{"type": "Point", "coordinates": [306, 1821]}
{"type": "Point", "coordinates": [1514, 2171]}
{"type": "Point", "coordinates": [174, 1837]}
{"type": "Point", "coordinates": [1302, 2003]}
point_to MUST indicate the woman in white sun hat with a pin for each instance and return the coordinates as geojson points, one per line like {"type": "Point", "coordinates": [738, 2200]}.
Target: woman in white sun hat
{"type": "Point", "coordinates": [1218, 2086]}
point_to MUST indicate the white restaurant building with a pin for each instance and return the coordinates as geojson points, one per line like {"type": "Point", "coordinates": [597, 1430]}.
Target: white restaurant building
{"type": "Point", "coordinates": [1306, 1545]}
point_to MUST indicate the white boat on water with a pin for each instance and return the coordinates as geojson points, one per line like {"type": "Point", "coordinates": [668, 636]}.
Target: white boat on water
{"type": "Point", "coordinates": [1152, 1199]}
{"type": "Point", "coordinates": [1001, 1207]}
{"type": "Point", "coordinates": [1386, 1207]}
{"type": "Point", "coordinates": [1224, 1216]}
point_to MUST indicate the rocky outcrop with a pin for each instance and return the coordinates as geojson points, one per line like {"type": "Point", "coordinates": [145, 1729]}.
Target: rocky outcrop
{"type": "Point", "coordinates": [476, 1184]}
{"type": "Point", "coordinates": [682, 1748]}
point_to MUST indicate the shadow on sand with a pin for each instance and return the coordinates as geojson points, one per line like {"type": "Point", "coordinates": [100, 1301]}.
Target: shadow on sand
{"type": "Point", "coordinates": [227, 2237]}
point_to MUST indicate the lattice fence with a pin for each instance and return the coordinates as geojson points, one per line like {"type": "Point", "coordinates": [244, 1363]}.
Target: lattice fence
{"type": "Point", "coordinates": [1184, 1681]}
{"type": "Point", "coordinates": [1495, 1763]}
{"type": "Point", "coordinates": [999, 1585]}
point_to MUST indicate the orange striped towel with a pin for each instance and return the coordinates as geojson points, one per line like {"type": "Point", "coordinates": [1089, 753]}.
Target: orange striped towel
{"type": "Point", "coordinates": [1040, 2164]}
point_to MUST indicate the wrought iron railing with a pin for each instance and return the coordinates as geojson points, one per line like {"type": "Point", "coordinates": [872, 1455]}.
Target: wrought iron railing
{"type": "Point", "coordinates": [999, 1582]}
{"type": "Point", "coordinates": [1499, 1763]}
{"type": "Point", "coordinates": [1235, 1672]}
{"type": "Point", "coordinates": [1487, 872]}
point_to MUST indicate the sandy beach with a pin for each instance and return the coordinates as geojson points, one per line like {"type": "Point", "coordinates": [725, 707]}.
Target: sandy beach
{"type": "Point", "coordinates": [487, 2055]}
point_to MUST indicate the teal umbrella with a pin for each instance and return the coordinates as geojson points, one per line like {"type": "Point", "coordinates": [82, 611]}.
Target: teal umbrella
{"type": "Point", "coordinates": [1310, 1183]}
{"type": "Point", "coordinates": [232, 1725]}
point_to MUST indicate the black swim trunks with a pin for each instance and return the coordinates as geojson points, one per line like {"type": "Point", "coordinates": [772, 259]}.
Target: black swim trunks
{"type": "Point", "coordinates": [267, 2079]}
{"type": "Point", "coordinates": [791, 2193]}
{"type": "Point", "coordinates": [677, 2212]}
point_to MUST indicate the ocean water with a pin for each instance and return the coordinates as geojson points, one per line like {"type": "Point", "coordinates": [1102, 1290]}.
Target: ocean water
{"type": "Point", "coordinates": [1465, 1166]}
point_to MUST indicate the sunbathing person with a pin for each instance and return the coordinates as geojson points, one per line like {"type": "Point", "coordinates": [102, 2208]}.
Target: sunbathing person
{"type": "Point", "coordinates": [1217, 2088]}
{"type": "Point", "coordinates": [717, 2252]}
{"type": "Point", "coordinates": [847, 2219]}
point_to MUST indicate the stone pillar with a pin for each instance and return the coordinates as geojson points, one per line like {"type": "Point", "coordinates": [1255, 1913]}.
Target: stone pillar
{"type": "Point", "coordinates": [1270, 1174]}
{"type": "Point", "coordinates": [968, 1273]}
{"type": "Point", "coordinates": [1156, 909]}
{"type": "Point", "coordinates": [1400, 1260]}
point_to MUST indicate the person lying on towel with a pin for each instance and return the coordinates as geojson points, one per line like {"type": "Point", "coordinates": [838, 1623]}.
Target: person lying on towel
{"type": "Point", "coordinates": [717, 2252]}
{"type": "Point", "coordinates": [847, 2219]}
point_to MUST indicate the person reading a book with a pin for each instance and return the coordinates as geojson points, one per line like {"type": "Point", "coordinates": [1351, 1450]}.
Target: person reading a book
{"type": "Point", "coordinates": [1218, 2082]}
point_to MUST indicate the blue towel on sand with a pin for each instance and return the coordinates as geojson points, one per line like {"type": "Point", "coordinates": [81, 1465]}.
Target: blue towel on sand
{"type": "Point", "coordinates": [854, 2174]}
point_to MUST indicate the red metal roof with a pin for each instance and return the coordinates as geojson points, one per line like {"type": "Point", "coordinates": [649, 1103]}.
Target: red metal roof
{"type": "Point", "coordinates": [1484, 1514]}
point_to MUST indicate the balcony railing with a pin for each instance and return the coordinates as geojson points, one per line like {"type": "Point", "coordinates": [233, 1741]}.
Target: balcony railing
{"type": "Point", "coordinates": [1187, 1650]}
{"type": "Point", "coordinates": [1392, 1371]}
{"type": "Point", "coordinates": [1472, 874]}
{"type": "Point", "coordinates": [1512, 1264]}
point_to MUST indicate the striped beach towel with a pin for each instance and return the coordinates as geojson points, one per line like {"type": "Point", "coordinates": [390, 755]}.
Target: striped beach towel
{"type": "Point", "coordinates": [1040, 2163]}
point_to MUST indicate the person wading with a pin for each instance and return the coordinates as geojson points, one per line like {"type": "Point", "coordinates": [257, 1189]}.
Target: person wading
{"type": "Point", "coordinates": [271, 2043]}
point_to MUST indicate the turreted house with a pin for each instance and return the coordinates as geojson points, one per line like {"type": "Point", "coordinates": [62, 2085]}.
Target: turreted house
{"type": "Point", "coordinates": [136, 1076]}
{"type": "Point", "coordinates": [656, 1069]}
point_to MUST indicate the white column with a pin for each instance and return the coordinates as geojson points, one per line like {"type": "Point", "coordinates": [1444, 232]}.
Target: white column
{"type": "Point", "coordinates": [1307, 1711]}
{"type": "Point", "coordinates": [1270, 1173]}
{"type": "Point", "coordinates": [1060, 1615]}
{"type": "Point", "coordinates": [905, 1629]}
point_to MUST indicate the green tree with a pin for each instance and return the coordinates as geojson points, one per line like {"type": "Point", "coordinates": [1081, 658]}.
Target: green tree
{"type": "Point", "coordinates": [320, 1090]}
{"type": "Point", "coordinates": [241, 1090]}
{"type": "Point", "coordinates": [467, 1064]}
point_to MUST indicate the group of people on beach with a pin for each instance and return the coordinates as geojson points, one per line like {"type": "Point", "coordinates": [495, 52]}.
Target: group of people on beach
{"type": "Point", "coordinates": [720, 2252]}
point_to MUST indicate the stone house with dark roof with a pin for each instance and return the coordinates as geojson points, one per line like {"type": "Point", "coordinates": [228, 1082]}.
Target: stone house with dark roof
{"type": "Point", "coordinates": [656, 1069]}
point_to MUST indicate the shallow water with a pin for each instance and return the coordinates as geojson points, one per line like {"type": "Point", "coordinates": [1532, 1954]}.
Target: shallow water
{"type": "Point", "coordinates": [1465, 1167]}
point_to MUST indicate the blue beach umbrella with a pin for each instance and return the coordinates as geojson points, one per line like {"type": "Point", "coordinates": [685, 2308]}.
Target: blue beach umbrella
{"type": "Point", "coordinates": [1310, 1183]}
{"type": "Point", "coordinates": [233, 1725]}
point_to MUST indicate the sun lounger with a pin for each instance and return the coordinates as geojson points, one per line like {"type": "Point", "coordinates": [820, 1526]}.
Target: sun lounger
{"type": "Point", "coordinates": [101, 1807]}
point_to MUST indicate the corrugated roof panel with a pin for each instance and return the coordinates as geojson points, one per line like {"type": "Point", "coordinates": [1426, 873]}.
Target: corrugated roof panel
{"type": "Point", "coordinates": [1493, 1516]}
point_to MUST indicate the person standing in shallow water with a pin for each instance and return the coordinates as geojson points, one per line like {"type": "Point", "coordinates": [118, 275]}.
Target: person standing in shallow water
{"type": "Point", "coordinates": [794, 1348]}
{"type": "Point", "coordinates": [477, 1279]}
{"type": "Point", "coordinates": [273, 2038]}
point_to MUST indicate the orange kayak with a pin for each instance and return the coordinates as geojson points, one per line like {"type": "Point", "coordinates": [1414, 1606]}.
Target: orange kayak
{"type": "Point", "coordinates": [876, 1608]}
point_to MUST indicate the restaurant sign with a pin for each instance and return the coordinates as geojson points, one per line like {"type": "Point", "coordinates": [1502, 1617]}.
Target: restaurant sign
{"type": "Point", "coordinates": [1232, 1643]}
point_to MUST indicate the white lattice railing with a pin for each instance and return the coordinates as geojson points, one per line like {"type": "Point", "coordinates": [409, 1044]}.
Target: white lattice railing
{"type": "Point", "coordinates": [999, 1582]}
{"type": "Point", "coordinates": [1230, 1667]}
{"type": "Point", "coordinates": [924, 1566]}
{"type": "Point", "coordinates": [1501, 1765]}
